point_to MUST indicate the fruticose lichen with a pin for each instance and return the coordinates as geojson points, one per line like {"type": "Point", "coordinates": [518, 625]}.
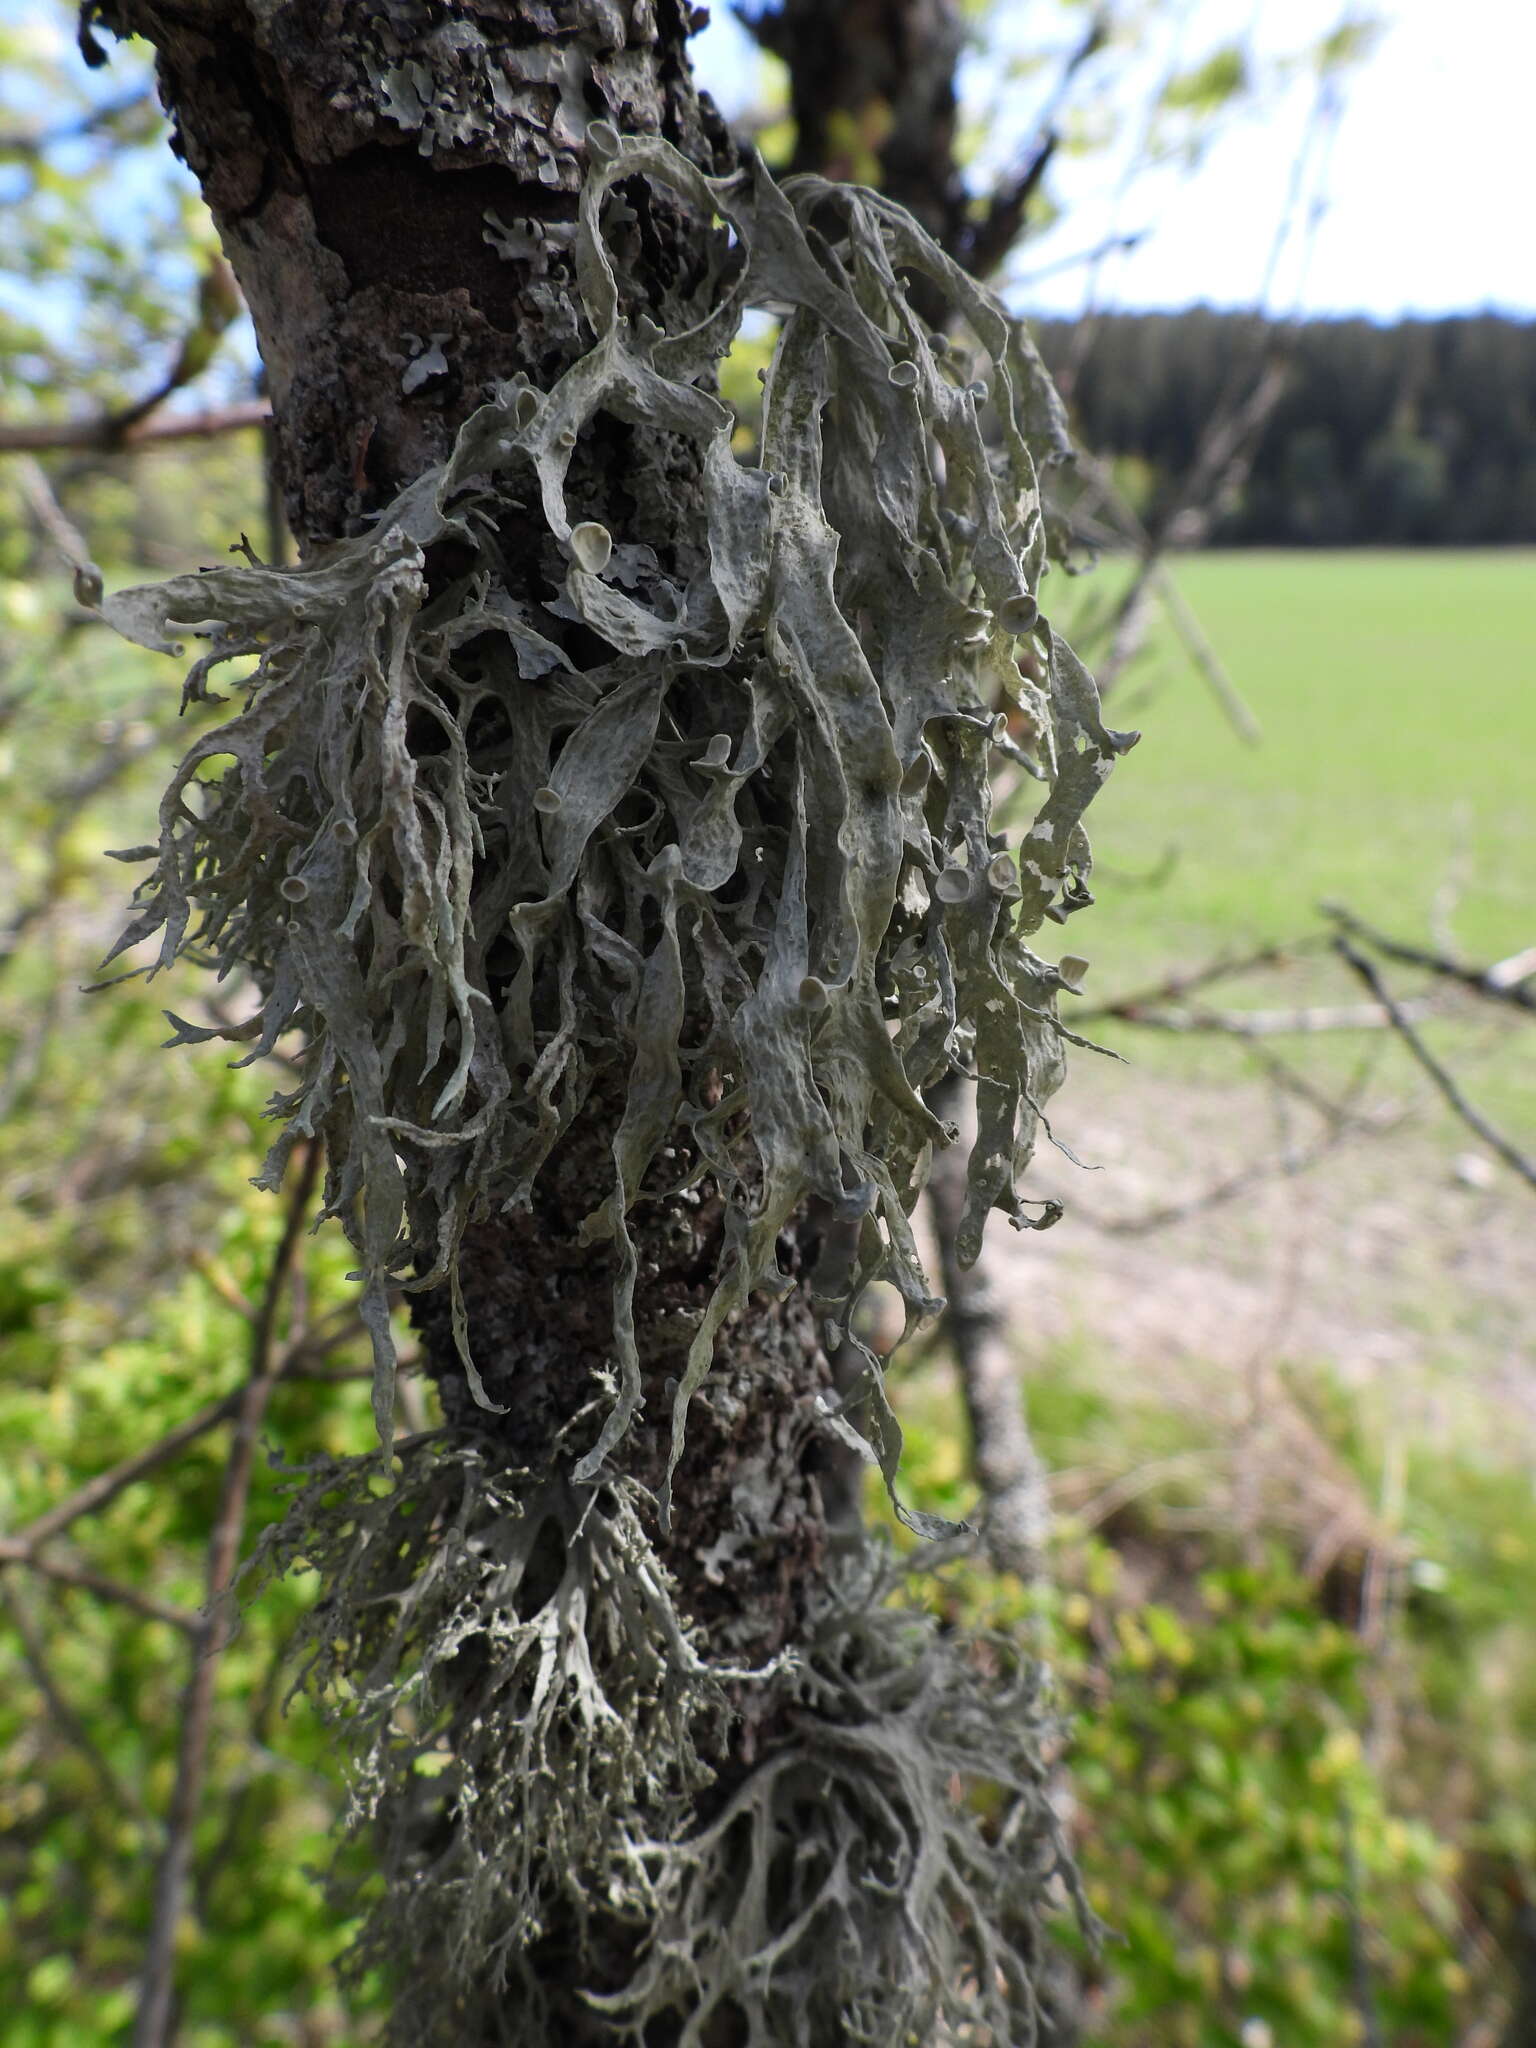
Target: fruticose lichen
{"type": "Point", "coordinates": [515, 807]}
{"type": "Point", "coordinates": [744, 850]}
{"type": "Point", "coordinates": [536, 1736]}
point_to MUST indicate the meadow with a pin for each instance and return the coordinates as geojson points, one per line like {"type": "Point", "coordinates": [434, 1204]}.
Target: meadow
{"type": "Point", "coordinates": [1396, 696]}
{"type": "Point", "coordinates": [1293, 1430]}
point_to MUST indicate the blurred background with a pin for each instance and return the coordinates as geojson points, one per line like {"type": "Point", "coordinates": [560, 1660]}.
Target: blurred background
{"type": "Point", "coordinates": [1277, 1358]}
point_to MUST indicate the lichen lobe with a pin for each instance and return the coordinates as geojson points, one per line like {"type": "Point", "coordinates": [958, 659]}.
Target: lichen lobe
{"type": "Point", "coordinates": [739, 839]}
{"type": "Point", "coordinates": [530, 824]}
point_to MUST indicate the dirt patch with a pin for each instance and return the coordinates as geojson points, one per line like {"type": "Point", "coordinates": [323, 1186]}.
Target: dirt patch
{"type": "Point", "coordinates": [1404, 1257]}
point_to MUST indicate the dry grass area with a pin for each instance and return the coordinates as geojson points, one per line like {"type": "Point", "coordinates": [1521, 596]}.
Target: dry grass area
{"type": "Point", "coordinates": [1406, 1250]}
{"type": "Point", "coordinates": [1395, 1271]}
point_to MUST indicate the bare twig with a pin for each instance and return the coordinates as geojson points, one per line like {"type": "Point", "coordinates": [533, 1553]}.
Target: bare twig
{"type": "Point", "coordinates": [1017, 1517]}
{"type": "Point", "coordinates": [223, 1283]}
{"type": "Point", "coordinates": [1505, 982]}
{"type": "Point", "coordinates": [1184, 981]}
{"type": "Point", "coordinates": [85, 1580]}
{"type": "Point", "coordinates": [1308, 1021]}
{"type": "Point", "coordinates": [1286, 1165]}
{"type": "Point", "coordinates": [106, 432]}
{"type": "Point", "coordinates": [50, 514]}
{"type": "Point", "coordinates": [154, 2025]}
{"type": "Point", "coordinates": [62, 1718]}
{"type": "Point", "coordinates": [1003, 221]}
{"type": "Point", "coordinates": [28, 144]}
{"type": "Point", "coordinates": [1402, 1024]}
{"type": "Point", "coordinates": [96, 1493]}
{"type": "Point", "coordinates": [1198, 646]}
{"type": "Point", "coordinates": [1111, 245]}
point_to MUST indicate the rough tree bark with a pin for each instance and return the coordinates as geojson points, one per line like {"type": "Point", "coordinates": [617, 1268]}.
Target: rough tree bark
{"type": "Point", "coordinates": [397, 189]}
{"type": "Point", "coordinates": [359, 223]}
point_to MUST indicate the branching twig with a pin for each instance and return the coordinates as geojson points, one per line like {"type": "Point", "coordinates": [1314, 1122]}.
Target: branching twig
{"type": "Point", "coordinates": [1002, 223]}
{"type": "Point", "coordinates": [95, 1494]}
{"type": "Point", "coordinates": [153, 2026]}
{"type": "Point", "coordinates": [1402, 1024]}
{"type": "Point", "coordinates": [1505, 982]}
{"type": "Point", "coordinates": [62, 1717]}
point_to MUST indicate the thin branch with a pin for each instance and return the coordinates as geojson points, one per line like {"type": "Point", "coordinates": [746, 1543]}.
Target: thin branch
{"type": "Point", "coordinates": [218, 303]}
{"type": "Point", "coordinates": [1308, 1021]}
{"type": "Point", "coordinates": [84, 1580]}
{"type": "Point", "coordinates": [107, 433]}
{"type": "Point", "coordinates": [223, 1283]}
{"type": "Point", "coordinates": [1001, 225]}
{"type": "Point", "coordinates": [96, 1493]}
{"type": "Point", "coordinates": [50, 514]}
{"type": "Point", "coordinates": [62, 1718]}
{"type": "Point", "coordinates": [1504, 982]}
{"type": "Point", "coordinates": [154, 2024]}
{"type": "Point", "coordinates": [1112, 245]}
{"type": "Point", "coordinates": [1287, 1165]}
{"type": "Point", "coordinates": [1402, 1024]}
{"type": "Point", "coordinates": [1288, 1080]}
{"type": "Point", "coordinates": [989, 241]}
{"type": "Point", "coordinates": [1202, 652]}
{"type": "Point", "coordinates": [1183, 982]}
{"type": "Point", "coordinates": [29, 144]}
{"type": "Point", "coordinates": [1016, 1520]}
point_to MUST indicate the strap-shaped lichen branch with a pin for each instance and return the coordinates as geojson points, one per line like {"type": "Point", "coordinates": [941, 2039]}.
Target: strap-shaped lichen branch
{"type": "Point", "coordinates": [747, 857]}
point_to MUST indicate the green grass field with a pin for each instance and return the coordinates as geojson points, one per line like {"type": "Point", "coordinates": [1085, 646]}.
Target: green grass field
{"type": "Point", "coordinates": [1397, 697]}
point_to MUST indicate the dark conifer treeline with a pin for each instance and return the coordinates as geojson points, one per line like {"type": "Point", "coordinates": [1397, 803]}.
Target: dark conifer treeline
{"type": "Point", "coordinates": [1423, 432]}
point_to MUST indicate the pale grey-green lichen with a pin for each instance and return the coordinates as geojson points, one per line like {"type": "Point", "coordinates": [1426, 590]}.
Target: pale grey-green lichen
{"type": "Point", "coordinates": [532, 1725]}
{"type": "Point", "coordinates": [798, 731]}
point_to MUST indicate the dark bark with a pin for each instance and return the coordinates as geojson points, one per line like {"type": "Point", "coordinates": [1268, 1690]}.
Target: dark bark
{"type": "Point", "coordinates": [351, 158]}
{"type": "Point", "coordinates": [397, 188]}
{"type": "Point", "coordinates": [390, 185]}
{"type": "Point", "coordinates": [358, 242]}
{"type": "Point", "coordinates": [872, 94]}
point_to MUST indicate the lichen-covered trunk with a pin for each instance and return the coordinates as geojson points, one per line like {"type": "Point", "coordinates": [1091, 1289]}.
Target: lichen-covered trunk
{"type": "Point", "coordinates": [396, 188]}
{"type": "Point", "coordinates": [611, 814]}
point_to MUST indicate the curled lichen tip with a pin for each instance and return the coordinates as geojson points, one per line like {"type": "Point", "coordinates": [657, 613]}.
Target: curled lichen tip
{"type": "Point", "coordinates": [592, 545]}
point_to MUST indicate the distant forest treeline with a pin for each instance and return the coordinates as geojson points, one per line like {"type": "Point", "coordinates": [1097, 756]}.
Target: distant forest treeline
{"type": "Point", "coordinates": [1423, 432]}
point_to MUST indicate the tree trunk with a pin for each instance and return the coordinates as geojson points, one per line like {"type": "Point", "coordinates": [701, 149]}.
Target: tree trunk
{"type": "Point", "coordinates": [391, 190]}
{"type": "Point", "coordinates": [872, 96]}
{"type": "Point", "coordinates": [549, 1643]}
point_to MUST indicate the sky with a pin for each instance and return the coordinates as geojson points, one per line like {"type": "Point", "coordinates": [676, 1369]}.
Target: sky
{"type": "Point", "coordinates": [1427, 191]}
{"type": "Point", "coordinates": [1425, 182]}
